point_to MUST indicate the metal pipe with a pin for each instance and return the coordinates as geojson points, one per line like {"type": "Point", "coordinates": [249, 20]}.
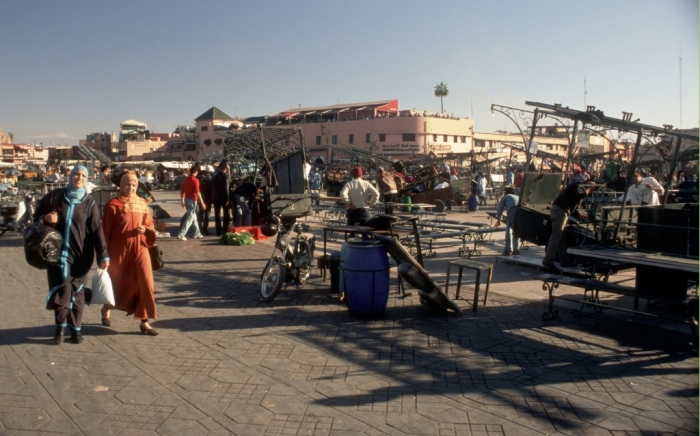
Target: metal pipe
{"type": "Point", "coordinates": [671, 170]}
{"type": "Point", "coordinates": [628, 179]}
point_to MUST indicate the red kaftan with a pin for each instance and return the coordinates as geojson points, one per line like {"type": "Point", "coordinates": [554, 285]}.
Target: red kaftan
{"type": "Point", "coordinates": [129, 260]}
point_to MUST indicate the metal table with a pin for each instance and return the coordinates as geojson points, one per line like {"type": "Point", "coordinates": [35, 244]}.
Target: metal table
{"type": "Point", "coordinates": [639, 258]}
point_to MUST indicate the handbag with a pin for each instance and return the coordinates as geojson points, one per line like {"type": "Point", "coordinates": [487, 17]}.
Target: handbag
{"type": "Point", "coordinates": [42, 245]}
{"type": "Point", "coordinates": [156, 257]}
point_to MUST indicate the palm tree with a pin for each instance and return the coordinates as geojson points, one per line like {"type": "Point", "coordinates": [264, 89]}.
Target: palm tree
{"type": "Point", "coordinates": [441, 91]}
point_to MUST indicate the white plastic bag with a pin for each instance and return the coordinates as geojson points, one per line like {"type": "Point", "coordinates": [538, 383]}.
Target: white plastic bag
{"type": "Point", "coordinates": [102, 292]}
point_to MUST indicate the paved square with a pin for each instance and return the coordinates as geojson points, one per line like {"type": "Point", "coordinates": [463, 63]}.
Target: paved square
{"type": "Point", "coordinates": [227, 363]}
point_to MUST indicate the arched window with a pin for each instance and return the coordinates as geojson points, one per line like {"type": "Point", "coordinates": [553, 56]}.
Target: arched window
{"type": "Point", "coordinates": [218, 141]}
{"type": "Point", "coordinates": [207, 142]}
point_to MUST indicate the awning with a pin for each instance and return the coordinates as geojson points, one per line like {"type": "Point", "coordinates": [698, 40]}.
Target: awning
{"type": "Point", "coordinates": [284, 115]}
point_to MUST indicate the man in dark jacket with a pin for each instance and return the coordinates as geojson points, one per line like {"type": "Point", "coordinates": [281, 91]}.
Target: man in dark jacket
{"type": "Point", "coordinates": [220, 195]}
{"type": "Point", "coordinates": [206, 187]}
{"type": "Point", "coordinates": [242, 197]}
{"type": "Point", "coordinates": [565, 204]}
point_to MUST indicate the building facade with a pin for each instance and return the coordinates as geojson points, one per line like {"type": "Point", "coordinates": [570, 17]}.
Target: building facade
{"type": "Point", "coordinates": [378, 127]}
{"type": "Point", "coordinates": [102, 141]}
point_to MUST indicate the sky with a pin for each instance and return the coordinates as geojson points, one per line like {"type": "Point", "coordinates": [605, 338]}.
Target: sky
{"type": "Point", "coordinates": [74, 67]}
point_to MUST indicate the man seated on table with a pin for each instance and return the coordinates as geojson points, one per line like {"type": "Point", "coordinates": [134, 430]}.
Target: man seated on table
{"type": "Point", "coordinates": [359, 195]}
{"type": "Point", "coordinates": [644, 190]}
{"type": "Point", "coordinates": [565, 204]}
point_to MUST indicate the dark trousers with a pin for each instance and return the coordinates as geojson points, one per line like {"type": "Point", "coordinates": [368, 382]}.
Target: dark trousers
{"type": "Point", "coordinates": [203, 217]}
{"type": "Point", "coordinates": [68, 305]}
{"type": "Point", "coordinates": [389, 198]}
{"type": "Point", "coordinates": [358, 217]}
{"type": "Point", "coordinates": [218, 209]}
{"type": "Point", "coordinates": [72, 317]}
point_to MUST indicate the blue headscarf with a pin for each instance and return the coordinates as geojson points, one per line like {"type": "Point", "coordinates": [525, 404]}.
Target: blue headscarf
{"type": "Point", "coordinates": [75, 195]}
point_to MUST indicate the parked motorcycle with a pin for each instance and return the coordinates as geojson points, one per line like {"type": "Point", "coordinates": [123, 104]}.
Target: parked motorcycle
{"type": "Point", "coordinates": [17, 218]}
{"type": "Point", "coordinates": [291, 259]}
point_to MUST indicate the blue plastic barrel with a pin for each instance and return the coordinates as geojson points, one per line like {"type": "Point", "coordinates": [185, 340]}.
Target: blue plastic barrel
{"type": "Point", "coordinates": [366, 278]}
{"type": "Point", "coordinates": [473, 203]}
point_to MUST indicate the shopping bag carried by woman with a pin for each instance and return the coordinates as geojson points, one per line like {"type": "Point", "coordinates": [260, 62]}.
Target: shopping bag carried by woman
{"type": "Point", "coordinates": [102, 292]}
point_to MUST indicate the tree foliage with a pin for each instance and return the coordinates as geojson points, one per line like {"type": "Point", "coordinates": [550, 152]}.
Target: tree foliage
{"type": "Point", "coordinates": [441, 91]}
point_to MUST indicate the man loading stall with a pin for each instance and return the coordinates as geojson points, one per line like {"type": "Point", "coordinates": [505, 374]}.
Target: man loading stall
{"type": "Point", "coordinates": [359, 195]}
{"type": "Point", "coordinates": [387, 186]}
{"type": "Point", "coordinates": [565, 204]}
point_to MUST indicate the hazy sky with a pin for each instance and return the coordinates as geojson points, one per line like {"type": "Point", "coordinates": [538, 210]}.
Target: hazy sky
{"type": "Point", "coordinates": [73, 67]}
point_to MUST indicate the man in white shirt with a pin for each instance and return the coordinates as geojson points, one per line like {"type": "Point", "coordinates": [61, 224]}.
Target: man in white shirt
{"type": "Point", "coordinates": [360, 195]}
{"type": "Point", "coordinates": [644, 190]}
{"type": "Point", "coordinates": [442, 185]}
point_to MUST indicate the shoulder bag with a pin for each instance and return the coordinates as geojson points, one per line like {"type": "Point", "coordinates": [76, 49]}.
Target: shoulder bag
{"type": "Point", "coordinates": [156, 257]}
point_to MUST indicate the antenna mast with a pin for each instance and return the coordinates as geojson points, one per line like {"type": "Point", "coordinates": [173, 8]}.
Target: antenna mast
{"type": "Point", "coordinates": [680, 86]}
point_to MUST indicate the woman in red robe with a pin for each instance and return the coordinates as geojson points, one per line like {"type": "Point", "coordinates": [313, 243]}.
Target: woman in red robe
{"type": "Point", "coordinates": [128, 229]}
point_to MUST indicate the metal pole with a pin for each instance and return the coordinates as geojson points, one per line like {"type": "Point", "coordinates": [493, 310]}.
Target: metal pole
{"type": "Point", "coordinates": [671, 170]}
{"type": "Point", "coordinates": [572, 145]}
{"type": "Point", "coordinates": [528, 155]}
{"type": "Point", "coordinates": [628, 180]}
{"type": "Point", "coordinates": [307, 187]}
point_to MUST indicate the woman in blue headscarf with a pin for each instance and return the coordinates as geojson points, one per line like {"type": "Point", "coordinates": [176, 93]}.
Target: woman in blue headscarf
{"type": "Point", "coordinates": [75, 215]}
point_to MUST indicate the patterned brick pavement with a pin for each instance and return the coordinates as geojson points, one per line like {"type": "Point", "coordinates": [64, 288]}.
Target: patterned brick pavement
{"type": "Point", "coordinates": [227, 363]}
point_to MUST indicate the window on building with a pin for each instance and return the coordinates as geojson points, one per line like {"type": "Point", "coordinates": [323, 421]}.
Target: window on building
{"type": "Point", "coordinates": [351, 139]}
{"type": "Point", "coordinates": [549, 146]}
{"type": "Point", "coordinates": [434, 138]}
{"type": "Point", "coordinates": [454, 139]}
{"type": "Point", "coordinates": [382, 137]}
{"type": "Point", "coordinates": [444, 138]}
{"type": "Point", "coordinates": [334, 139]}
{"type": "Point", "coordinates": [205, 128]}
{"type": "Point", "coordinates": [318, 140]}
{"type": "Point", "coordinates": [464, 139]}
{"type": "Point", "coordinates": [479, 143]}
{"type": "Point", "coordinates": [409, 137]}
{"type": "Point", "coordinates": [368, 138]}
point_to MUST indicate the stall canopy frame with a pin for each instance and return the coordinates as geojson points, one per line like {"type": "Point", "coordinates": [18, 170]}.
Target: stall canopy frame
{"type": "Point", "coordinates": [263, 143]}
{"type": "Point", "coordinates": [597, 118]}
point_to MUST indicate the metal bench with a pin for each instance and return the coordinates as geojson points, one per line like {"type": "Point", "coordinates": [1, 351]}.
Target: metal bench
{"type": "Point", "coordinates": [479, 267]}
{"type": "Point", "coordinates": [552, 282]}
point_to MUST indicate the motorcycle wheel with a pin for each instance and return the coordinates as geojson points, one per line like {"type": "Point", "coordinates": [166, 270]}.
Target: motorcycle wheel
{"type": "Point", "coordinates": [272, 278]}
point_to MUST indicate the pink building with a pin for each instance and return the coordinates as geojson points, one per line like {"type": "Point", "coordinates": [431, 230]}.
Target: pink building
{"type": "Point", "coordinates": [378, 127]}
{"type": "Point", "coordinates": [198, 142]}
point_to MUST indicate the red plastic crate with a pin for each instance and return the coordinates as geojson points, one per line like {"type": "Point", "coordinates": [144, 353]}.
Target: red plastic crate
{"type": "Point", "coordinates": [254, 230]}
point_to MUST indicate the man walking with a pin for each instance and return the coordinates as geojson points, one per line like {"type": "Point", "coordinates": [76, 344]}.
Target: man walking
{"type": "Point", "coordinates": [189, 195]}
{"type": "Point", "coordinates": [220, 194]}
{"type": "Point", "coordinates": [207, 189]}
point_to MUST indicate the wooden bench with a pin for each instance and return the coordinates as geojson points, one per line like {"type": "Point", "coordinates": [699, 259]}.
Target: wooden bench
{"type": "Point", "coordinates": [552, 282]}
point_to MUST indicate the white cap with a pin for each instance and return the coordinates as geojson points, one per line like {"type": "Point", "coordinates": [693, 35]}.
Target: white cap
{"type": "Point", "coordinates": [209, 168]}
